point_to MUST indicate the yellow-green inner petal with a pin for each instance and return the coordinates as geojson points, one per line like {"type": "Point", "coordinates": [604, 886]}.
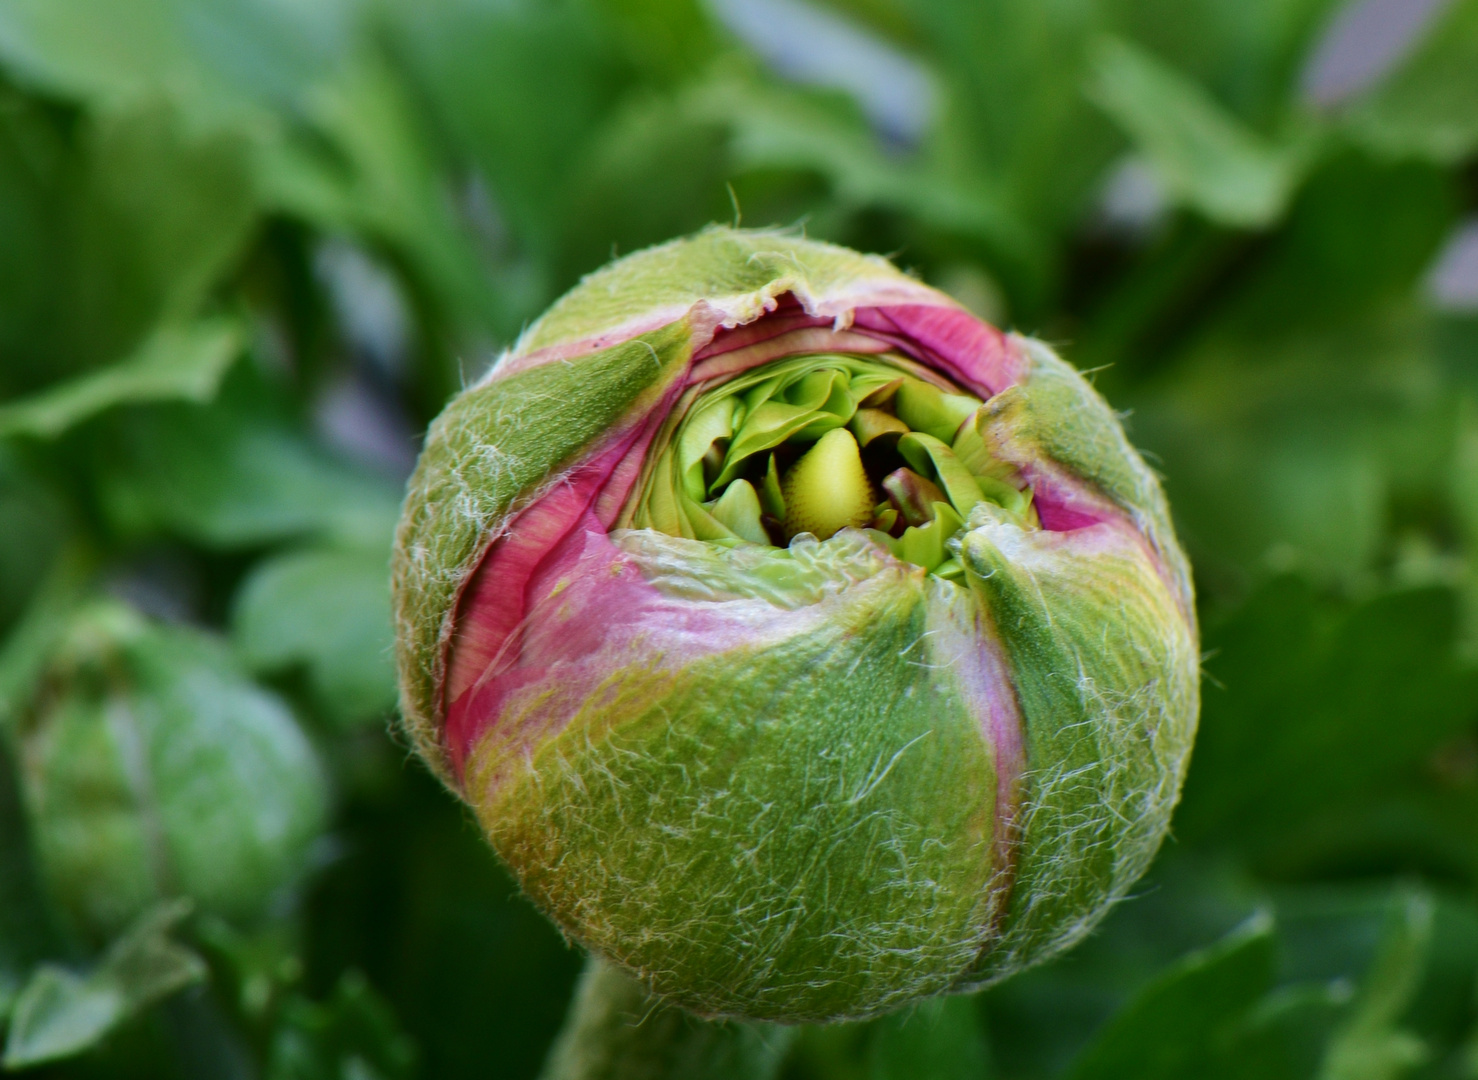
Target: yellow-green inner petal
{"type": "Point", "coordinates": [811, 443]}
{"type": "Point", "coordinates": [827, 490]}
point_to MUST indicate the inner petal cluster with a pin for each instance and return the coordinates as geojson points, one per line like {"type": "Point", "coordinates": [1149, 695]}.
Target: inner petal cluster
{"type": "Point", "coordinates": [809, 445]}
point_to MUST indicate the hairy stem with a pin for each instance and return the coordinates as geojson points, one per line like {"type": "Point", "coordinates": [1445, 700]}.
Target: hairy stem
{"type": "Point", "coordinates": [617, 1031]}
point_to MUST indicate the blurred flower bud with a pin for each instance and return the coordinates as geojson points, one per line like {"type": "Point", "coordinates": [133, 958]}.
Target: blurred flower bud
{"type": "Point", "coordinates": [153, 767]}
{"type": "Point", "coordinates": [805, 645]}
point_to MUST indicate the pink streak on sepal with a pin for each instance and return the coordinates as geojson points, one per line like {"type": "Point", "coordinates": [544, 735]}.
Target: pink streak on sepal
{"type": "Point", "coordinates": [1064, 505]}
{"type": "Point", "coordinates": [976, 659]}
{"type": "Point", "coordinates": [588, 613]}
{"type": "Point", "coordinates": [494, 608]}
{"type": "Point", "coordinates": [949, 339]}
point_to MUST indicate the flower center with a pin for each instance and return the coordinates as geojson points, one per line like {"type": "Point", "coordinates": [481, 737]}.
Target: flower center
{"type": "Point", "coordinates": [810, 445]}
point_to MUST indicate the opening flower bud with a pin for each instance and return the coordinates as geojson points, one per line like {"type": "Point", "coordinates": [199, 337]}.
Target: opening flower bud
{"type": "Point", "coordinates": [804, 645]}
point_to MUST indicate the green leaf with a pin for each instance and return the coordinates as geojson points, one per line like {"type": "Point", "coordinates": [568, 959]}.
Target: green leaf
{"type": "Point", "coordinates": [235, 473]}
{"type": "Point", "coordinates": [1289, 446]}
{"type": "Point", "coordinates": [942, 1039]}
{"type": "Point", "coordinates": [521, 88]}
{"type": "Point", "coordinates": [1317, 701]}
{"type": "Point", "coordinates": [1014, 119]}
{"type": "Point", "coordinates": [779, 127]}
{"type": "Point", "coordinates": [224, 61]}
{"type": "Point", "coordinates": [60, 1013]}
{"type": "Point", "coordinates": [671, 38]}
{"type": "Point", "coordinates": [1175, 1022]}
{"type": "Point", "coordinates": [1371, 1045]}
{"type": "Point", "coordinates": [1246, 52]}
{"type": "Point", "coordinates": [369, 168]}
{"type": "Point", "coordinates": [35, 522]}
{"type": "Point", "coordinates": [654, 169]}
{"type": "Point", "coordinates": [1204, 156]}
{"type": "Point", "coordinates": [29, 646]}
{"type": "Point", "coordinates": [111, 227]}
{"type": "Point", "coordinates": [25, 931]}
{"type": "Point", "coordinates": [330, 611]}
{"type": "Point", "coordinates": [175, 362]}
{"type": "Point", "coordinates": [352, 1035]}
{"type": "Point", "coordinates": [1429, 106]}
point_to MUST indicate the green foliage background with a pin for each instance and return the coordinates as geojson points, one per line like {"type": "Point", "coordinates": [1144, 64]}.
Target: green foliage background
{"type": "Point", "coordinates": [248, 248]}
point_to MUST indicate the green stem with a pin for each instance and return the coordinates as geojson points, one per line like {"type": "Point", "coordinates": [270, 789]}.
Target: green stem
{"type": "Point", "coordinates": [615, 1030]}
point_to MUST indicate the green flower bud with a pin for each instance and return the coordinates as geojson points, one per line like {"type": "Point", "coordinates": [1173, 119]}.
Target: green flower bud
{"type": "Point", "coordinates": [153, 767]}
{"type": "Point", "coordinates": [804, 645]}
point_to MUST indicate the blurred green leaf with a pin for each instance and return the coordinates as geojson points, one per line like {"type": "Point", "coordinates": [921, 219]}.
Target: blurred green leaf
{"type": "Point", "coordinates": [1174, 1025]}
{"type": "Point", "coordinates": [329, 610]}
{"type": "Point", "coordinates": [185, 362]}
{"type": "Point", "coordinates": [60, 1013]}
{"type": "Point", "coordinates": [251, 968]}
{"type": "Point", "coordinates": [35, 523]}
{"type": "Point", "coordinates": [418, 902]}
{"type": "Point", "coordinates": [1246, 52]}
{"type": "Point", "coordinates": [1428, 107]}
{"type": "Point", "coordinates": [127, 221]}
{"type": "Point", "coordinates": [941, 1039]}
{"type": "Point", "coordinates": [1293, 450]}
{"type": "Point", "coordinates": [521, 88]}
{"type": "Point", "coordinates": [657, 168]}
{"type": "Point", "coordinates": [25, 651]}
{"type": "Point", "coordinates": [1359, 238]}
{"type": "Point", "coordinates": [1299, 684]}
{"type": "Point", "coordinates": [673, 38]}
{"type": "Point", "coordinates": [1013, 73]}
{"type": "Point", "coordinates": [352, 1036]}
{"type": "Point", "coordinates": [1370, 1045]}
{"type": "Point", "coordinates": [222, 60]}
{"type": "Point", "coordinates": [24, 931]}
{"type": "Point", "coordinates": [1205, 157]}
{"type": "Point", "coordinates": [378, 175]}
{"type": "Point", "coordinates": [235, 474]}
{"type": "Point", "coordinates": [784, 127]}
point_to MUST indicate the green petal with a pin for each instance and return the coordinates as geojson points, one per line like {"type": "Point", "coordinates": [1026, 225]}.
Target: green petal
{"type": "Point", "coordinates": [772, 500]}
{"type": "Point", "coordinates": [926, 409]}
{"type": "Point", "coordinates": [924, 545]}
{"type": "Point", "coordinates": [713, 422]}
{"type": "Point", "coordinates": [841, 760]}
{"type": "Point", "coordinates": [870, 424]}
{"type": "Point", "coordinates": [739, 511]}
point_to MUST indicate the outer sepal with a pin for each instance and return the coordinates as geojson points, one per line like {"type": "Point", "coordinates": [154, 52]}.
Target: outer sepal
{"type": "Point", "coordinates": [492, 452]}
{"type": "Point", "coordinates": [837, 747]}
{"type": "Point", "coordinates": [1106, 672]}
{"type": "Point", "coordinates": [1054, 424]}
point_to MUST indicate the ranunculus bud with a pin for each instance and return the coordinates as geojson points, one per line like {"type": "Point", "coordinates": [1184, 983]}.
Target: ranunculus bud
{"type": "Point", "coordinates": [805, 645]}
{"type": "Point", "coordinates": [153, 767]}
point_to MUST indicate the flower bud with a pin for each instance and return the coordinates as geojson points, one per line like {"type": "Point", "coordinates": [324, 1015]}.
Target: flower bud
{"type": "Point", "coordinates": [803, 644]}
{"type": "Point", "coordinates": [153, 767]}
